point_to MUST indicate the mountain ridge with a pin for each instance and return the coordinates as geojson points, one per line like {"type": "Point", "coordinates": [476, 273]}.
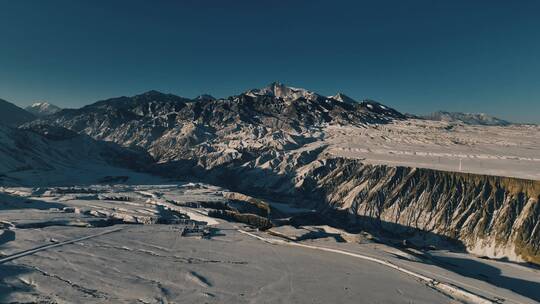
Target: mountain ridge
{"type": "Point", "coordinates": [12, 115]}
{"type": "Point", "coordinates": [43, 154]}
{"type": "Point", "coordinates": [467, 118]}
{"type": "Point", "coordinates": [144, 119]}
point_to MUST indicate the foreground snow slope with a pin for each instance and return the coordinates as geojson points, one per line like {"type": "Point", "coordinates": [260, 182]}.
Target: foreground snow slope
{"type": "Point", "coordinates": [51, 255]}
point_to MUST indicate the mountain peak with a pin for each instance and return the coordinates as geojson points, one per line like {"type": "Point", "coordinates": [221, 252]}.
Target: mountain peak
{"type": "Point", "coordinates": [152, 93]}
{"type": "Point", "coordinates": [205, 97]}
{"type": "Point", "coordinates": [377, 107]}
{"type": "Point", "coordinates": [343, 98]}
{"type": "Point", "coordinates": [40, 104]}
{"type": "Point", "coordinates": [42, 108]}
{"type": "Point", "coordinates": [280, 90]}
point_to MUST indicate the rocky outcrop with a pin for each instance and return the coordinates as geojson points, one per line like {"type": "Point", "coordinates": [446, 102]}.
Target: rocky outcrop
{"type": "Point", "coordinates": [493, 216]}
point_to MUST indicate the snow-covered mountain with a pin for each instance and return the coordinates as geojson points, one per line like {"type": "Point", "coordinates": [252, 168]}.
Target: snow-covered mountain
{"type": "Point", "coordinates": [279, 90]}
{"type": "Point", "coordinates": [343, 98]}
{"type": "Point", "coordinates": [41, 109]}
{"type": "Point", "coordinates": [467, 118]}
{"type": "Point", "coordinates": [369, 105]}
{"type": "Point", "coordinates": [44, 154]}
{"type": "Point", "coordinates": [376, 107]}
{"type": "Point", "coordinates": [282, 142]}
{"type": "Point", "coordinates": [11, 115]}
{"type": "Point", "coordinates": [155, 120]}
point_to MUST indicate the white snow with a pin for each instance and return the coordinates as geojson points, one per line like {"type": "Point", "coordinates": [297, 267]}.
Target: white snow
{"type": "Point", "coordinates": [505, 151]}
{"type": "Point", "coordinates": [66, 261]}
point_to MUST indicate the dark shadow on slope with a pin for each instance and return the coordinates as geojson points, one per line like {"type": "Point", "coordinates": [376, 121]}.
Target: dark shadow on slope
{"type": "Point", "coordinates": [321, 234]}
{"type": "Point", "coordinates": [9, 273]}
{"type": "Point", "coordinates": [9, 283]}
{"type": "Point", "coordinates": [43, 154]}
{"type": "Point", "coordinates": [6, 237]}
{"type": "Point", "coordinates": [267, 184]}
{"type": "Point", "coordinates": [488, 273]}
{"type": "Point", "coordinates": [506, 260]}
{"type": "Point", "coordinates": [11, 202]}
{"type": "Point", "coordinates": [394, 234]}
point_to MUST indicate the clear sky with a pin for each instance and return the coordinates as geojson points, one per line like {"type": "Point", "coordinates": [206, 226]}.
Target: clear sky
{"type": "Point", "coordinates": [417, 56]}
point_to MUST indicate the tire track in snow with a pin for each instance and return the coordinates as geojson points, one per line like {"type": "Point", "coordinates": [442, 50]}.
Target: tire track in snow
{"type": "Point", "coordinates": [447, 289]}
{"type": "Point", "coordinates": [42, 248]}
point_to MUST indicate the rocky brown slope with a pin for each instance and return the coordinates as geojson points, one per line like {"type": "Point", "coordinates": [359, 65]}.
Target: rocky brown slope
{"type": "Point", "coordinates": [492, 216]}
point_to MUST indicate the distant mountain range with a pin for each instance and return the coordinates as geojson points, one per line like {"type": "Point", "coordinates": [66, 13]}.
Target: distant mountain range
{"type": "Point", "coordinates": [12, 115]}
{"type": "Point", "coordinates": [467, 118]}
{"type": "Point", "coordinates": [163, 124]}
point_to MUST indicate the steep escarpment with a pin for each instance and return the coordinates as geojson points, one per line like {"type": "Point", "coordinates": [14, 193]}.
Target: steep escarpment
{"type": "Point", "coordinates": [491, 216]}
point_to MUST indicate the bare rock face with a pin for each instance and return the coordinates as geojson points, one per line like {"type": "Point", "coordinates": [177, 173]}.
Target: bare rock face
{"type": "Point", "coordinates": [492, 216]}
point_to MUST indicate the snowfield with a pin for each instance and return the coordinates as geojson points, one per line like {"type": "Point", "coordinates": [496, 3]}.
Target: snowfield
{"type": "Point", "coordinates": [493, 150]}
{"type": "Point", "coordinates": [126, 244]}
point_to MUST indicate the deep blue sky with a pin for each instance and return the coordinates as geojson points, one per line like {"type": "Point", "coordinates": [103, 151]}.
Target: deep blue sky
{"type": "Point", "coordinates": [417, 56]}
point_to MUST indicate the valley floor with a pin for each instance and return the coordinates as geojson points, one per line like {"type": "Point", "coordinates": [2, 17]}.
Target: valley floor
{"type": "Point", "coordinates": [126, 244]}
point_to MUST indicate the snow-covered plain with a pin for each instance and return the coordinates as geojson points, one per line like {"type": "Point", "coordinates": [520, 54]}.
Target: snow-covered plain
{"type": "Point", "coordinates": [493, 150]}
{"type": "Point", "coordinates": [113, 244]}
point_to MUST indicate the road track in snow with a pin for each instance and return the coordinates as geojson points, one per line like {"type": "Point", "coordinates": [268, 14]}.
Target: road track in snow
{"type": "Point", "coordinates": [27, 252]}
{"type": "Point", "coordinates": [447, 289]}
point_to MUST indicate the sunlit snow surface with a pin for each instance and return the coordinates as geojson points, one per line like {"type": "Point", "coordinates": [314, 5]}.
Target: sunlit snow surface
{"type": "Point", "coordinates": [493, 150]}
